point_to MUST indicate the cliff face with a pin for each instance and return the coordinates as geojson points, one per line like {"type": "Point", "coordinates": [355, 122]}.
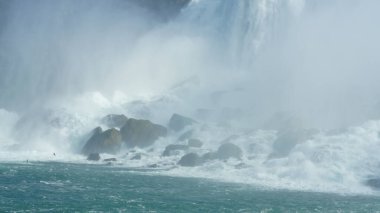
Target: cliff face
{"type": "Point", "coordinates": [164, 9]}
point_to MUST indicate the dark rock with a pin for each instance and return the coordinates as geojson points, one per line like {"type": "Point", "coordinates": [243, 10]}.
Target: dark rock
{"type": "Point", "coordinates": [110, 160]}
{"type": "Point", "coordinates": [209, 156]}
{"type": "Point", "coordinates": [93, 157]}
{"type": "Point", "coordinates": [374, 183]}
{"type": "Point", "coordinates": [141, 133]}
{"type": "Point", "coordinates": [179, 122]}
{"type": "Point", "coordinates": [190, 160]}
{"type": "Point", "coordinates": [153, 165]}
{"type": "Point", "coordinates": [241, 166]}
{"type": "Point", "coordinates": [171, 149]}
{"type": "Point", "coordinates": [136, 157]}
{"type": "Point", "coordinates": [103, 142]}
{"type": "Point", "coordinates": [229, 150]}
{"type": "Point", "coordinates": [186, 135]}
{"type": "Point", "coordinates": [288, 139]}
{"type": "Point", "coordinates": [113, 120]}
{"type": "Point", "coordinates": [195, 143]}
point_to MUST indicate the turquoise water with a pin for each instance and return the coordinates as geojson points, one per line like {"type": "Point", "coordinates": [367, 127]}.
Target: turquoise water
{"type": "Point", "coordinates": [63, 187]}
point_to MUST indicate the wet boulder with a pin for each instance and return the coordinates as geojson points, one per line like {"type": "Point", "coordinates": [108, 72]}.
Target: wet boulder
{"type": "Point", "coordinates": [108, 141]}
{"type": "Point", "coordinates": [137, 157]}
{"type": "Point", "coordinates": [209, 156]}
{"type": "Point", "coordinates": [93, 157]}
{"type": "Point", "coordinates": [195, 143]}
{"type": "Point", "coordinates": [373, 183]}
{"type": "Point", "coordinates": [178, 122]}
{"type": "Point", "coordinates": [228, 150]}
{"type": "Point", "coordinates": [141, 133]}
{"type": "Point", "coordinates": [110, 160]}
{"type": "Point", "coordinates": [288, 139]}
{"type": "Point", "coordinates": [113, 120]}
{"type": "Point", "coordinates": [190, 160]}
{"type": "Point", "coordinates": [185, 136]}
{"type": "Point", "coordinates": [174, 149]}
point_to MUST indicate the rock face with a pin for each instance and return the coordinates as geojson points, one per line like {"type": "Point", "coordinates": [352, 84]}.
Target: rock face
{"type": "Point", "coordinates": [114, 120]}
{"type": "Point", "coordinates": [190, 160]}
{"type": "Point", "coordinates": [171, 149]}
{"type": "Point", "coordinates": [93, 157]}
{"type": "Point", "coordinates": [103, 142]}
{"type": "Point", "coordinates": [195, 143]}
{"type": "Point", "coordinates": [179, 122]}
{"type": "Point", "coordinates": [228, 150]}
{"type": "Point", "coordinates": [141, 133]}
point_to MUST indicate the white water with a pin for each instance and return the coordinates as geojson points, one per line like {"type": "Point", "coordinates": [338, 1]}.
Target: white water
{"type": "Point", "coordinates": [257, 67]}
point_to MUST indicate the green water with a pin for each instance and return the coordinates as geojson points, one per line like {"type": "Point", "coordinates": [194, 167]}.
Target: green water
{"type": "Point", "coordinates": [62, 187]}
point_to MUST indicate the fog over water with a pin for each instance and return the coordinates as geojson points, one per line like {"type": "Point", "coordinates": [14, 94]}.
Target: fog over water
{"type": "Point", "coordinates": [257, 65]}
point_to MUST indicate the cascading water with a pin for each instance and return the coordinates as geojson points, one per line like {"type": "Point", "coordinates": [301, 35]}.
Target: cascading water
{"type": "Point", "coordinates": [286, 78]}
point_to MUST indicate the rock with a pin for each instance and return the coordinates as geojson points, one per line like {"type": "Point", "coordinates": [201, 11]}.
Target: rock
{"type": "Point", "coordinates": [110, 160]}
{"type": "Point", "coordinates": [374, 183]}
{"type": "Point", "coordinates": [103, 142]}
{"type": "Point", "coordinates": [186, 135]}
{"type": "Point", "coordinates": [179, 122]}
{"type": "Point", "coordinates": [195, 143]}
{"type": "Point", "coordinates": [136, 157]}
{"type": "Point", "coordinates": [171, 149]}
{"type": "Point", "coordinates": [288, 139]}
{"type": "Point", "coordinates": [228, 150]}
{"type": "Point", "coordinates": [153, 166]}
{"type": "Point", "coordinates": [113, 120]}
{"type": "Point", "coordinates": [141, 133]}
{"type": "Point", "coordinates": [209, 156]}
{"type": "Point", "coordinates": [190, 160]}
{"type": "Point", "coordinates": [93, 157]}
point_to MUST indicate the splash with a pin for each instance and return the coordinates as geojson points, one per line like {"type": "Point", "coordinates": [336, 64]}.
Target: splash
{"type": "Point", "coordinates": [255, 69]}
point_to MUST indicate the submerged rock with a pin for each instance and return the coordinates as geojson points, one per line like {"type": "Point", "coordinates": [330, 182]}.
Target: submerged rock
{"type": "Point", "coordinates": [103, 142]}
{"type": "Point", "coordinates": [110, 160]}
{"type": "Point", "coordinates": [93, 157]}
{"type": "Point", "coordinates": [195, 143]}
{"type": "Point", "coordinates": [190, 160]}
{"type": "Point", "coordinates": [228, 150]}
{"type": "Point", "coordinates": [141, 133]}
{"type": "Point", "coordinates": [114, 120]}
{"type": "Point", "coordinates": [374, 183]}
{"type": "Point", "coordinates": [179, 122]}
{"type": "Point", "coordinates": [171, 149]}
{"type": "Point", "coordinates": [136, 157]}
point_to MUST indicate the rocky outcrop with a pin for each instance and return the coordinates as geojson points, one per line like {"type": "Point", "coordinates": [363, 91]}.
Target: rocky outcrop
{"type": "Point", "coordinates": [93, 157]}
{"type": "Point", "coordinates": [195, 143]}
{"type": "Point", "coordinates": [103, 142]}
{"type": "Point", "coordinates": [178, 122]}
{"type": "Point", "coordinates": [113, 120]}
{"type": "Point", "coordinates": [224, 152]}
{"type": "Point", "coordinates": [173, 149]}
{"type": "Point", "coordinates": [190, 160]}
{"type": "Point", "coordinates": [228, 150]}
{"type": "Point", "coordinates": [141, 133]}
